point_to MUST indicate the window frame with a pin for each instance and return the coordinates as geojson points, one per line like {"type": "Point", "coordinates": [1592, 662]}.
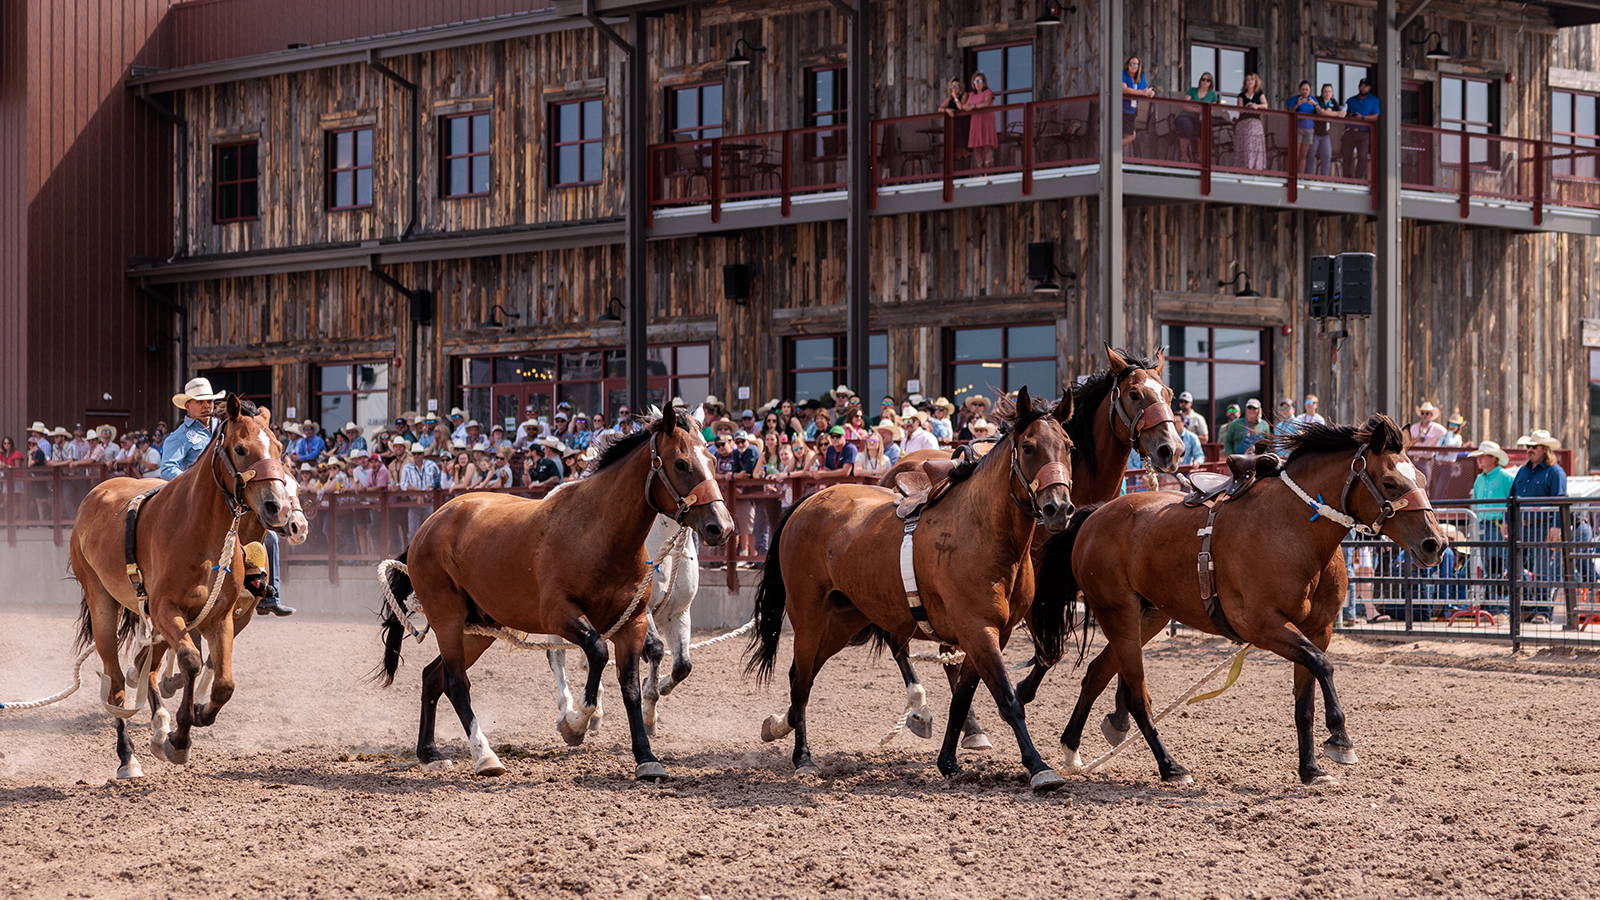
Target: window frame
{"type": "Point", "coordinates": [949, 362]}
{"type": "Point", "coordinates": [841, 366]}
{"type": "Point", "coordinates": [317, 393]}
{"type": "Point", "coordinates": [698, 131]}
{"type": "Point", "coordinates": [227, 379]}
{"type": "Point", "coordinates": [1001, 95]}
{"type": "Point", "coordinates": [610, 385]}
{"type": "Point", "coordinates": [219, 186]}
{"type": "Point", "coordinates": [556, 143]}
{"type": "Point", "coordinates": [446, 157]}
{"type": "Point", "coordinates": [1227, 98]}
{"type": "Point", "coordinates": [1573, 168]}
{"type": "Point", "coordinates": [827, 145]}
{"type": "Point", "coordinates": [1477, 144]}
{"type": "Point", "coordinates": [1214, 416]}
{"type": "Point", "coordinates": [333, 168]}
{"type": "Point", "coordinates": [1594, 410]}
{"type": "Point", "coordinates": [1338, 87]}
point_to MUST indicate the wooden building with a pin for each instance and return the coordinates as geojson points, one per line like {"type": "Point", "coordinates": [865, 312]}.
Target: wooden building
{"type": "Point", "coordinates": [439, 215]}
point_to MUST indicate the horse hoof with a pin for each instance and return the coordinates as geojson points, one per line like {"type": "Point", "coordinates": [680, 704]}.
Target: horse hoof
{"type": "Point", "coordinates": [131, 770]}
{"type": "Point", "coordinates": [774, 727]}
{"type": "Point", "coordinates": [1344, 756]}
{"type": "Point", "coordinates": [1114, 735]}
{"type": "Point", "coordinates": [1074, 761]}
{"type": "Point", "coordinates": [489, 767]}
{"type": "Point", "coordinates": [807, 769]}
{"type": "Point", "coordinates": [437, 765]}
{"type": "Point", "coordinates": [1045, 781]}
{"type": "Point", "coordinates": [1178, 778]}
{"type": "Point", "coordinates": [1321, 779]}
{"type": "Point", "coordinates": [179, 755]}
{"type": "Point", "coordinates": [170, 685]}
{"type": "Point", "coordinates": [594, 724]}
{"type": "Point", "coordinates": [649, 771]}
{"type": "Point", "coordinates": [979, 741]}
{"type": "Point", "coordinates": [921, 726]}
{"type": "Point", "coordinates": [573, 736]}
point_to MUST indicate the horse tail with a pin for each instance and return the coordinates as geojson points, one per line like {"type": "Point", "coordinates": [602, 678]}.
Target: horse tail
{"type": "Point", "coordinates": [1056, 591]}
{"type": "Point", "coordinates": [771, 597]}
{"type": "Point", "coordinates": [126, 623]}
{"type": "Point", "coordinates": [875, 635]}
{"type": "Point", "coordinates": [396, 583]}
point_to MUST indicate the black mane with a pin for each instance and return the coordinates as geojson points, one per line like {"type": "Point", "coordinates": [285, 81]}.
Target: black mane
{"type": "Point", "coordinates": [618, 448]}
{"type": "Point", "coordinates": [1012, 420]}
{"type": "Point", "coordinates": [1086, 399]}
{"type": "Point", "coordinates": [1314, 438]}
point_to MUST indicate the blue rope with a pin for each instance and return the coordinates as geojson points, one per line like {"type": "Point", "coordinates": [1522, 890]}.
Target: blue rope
{"type": "Point", "coordinates": [1318, 514]}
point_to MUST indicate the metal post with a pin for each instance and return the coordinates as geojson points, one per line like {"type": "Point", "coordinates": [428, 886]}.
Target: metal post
{"type": "Point", "coordinates": [636, 130]}
{"type": "Point", "coordinates": [1113, 253]}
{"type": "Point", "coordinates": [1514, 569]}
{"type": "Point", "coordinates": [1386, 183]}
{"type": "Point", "coordinates": [858, 289]}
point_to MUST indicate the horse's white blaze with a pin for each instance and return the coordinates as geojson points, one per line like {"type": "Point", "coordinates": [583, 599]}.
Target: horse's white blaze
{"type": "Point", "coordinates": [1407, 470]}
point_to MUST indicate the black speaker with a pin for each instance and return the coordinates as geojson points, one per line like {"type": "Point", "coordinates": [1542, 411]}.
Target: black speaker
{"type": "Point", "coordinates": [421, 306]}
{"type": "Point", "coordinates": [1041, 260]}
{"type": "Point", "coordinates": [1352, 284]}
{"type": "Point", "coordinates": [1321, 296]}
{"type": "Point", "coordinates": [736, 282]}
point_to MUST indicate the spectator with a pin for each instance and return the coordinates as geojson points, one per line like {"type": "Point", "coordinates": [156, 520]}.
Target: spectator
{"type": "Point", "coordinates": [769, 425]}
{"type": "Point", "coordinates": [405, 426]}
{"type": "Point", "coordinates": [1286, 417]}
{"type": "Point", "coordinates": [1452, 435]}
{"type": "Point", "coordinates": [148, 457]}
{"type": "Point", "coordinates": [483, 466]}
{"type": "Point", "coordinates": [840, 456]}
{"type": "Point", "coordinates": [1305, 107]}
{"type": "Point", "coordinates": [37, 436]}
{"type": "Point", "coordinates": [1540, 476]}
{"type": "Point", "coordinates": [418, 474]}
{"type": "Point", "coordinates": [1425, 432]}
{"type": "Point", "coordinates": [546, 472]}
{"type": "Point", "coordinates": [722, 456]}
{"type": "Point", "coordinates": [312, 447]}
{"type": "Point", "coordinates": [1192, 420]}
{"type": "Point", "coordinates": [1494, 482]}
{"type": "Point", "coordinates": [341, 445]}
{"type": "Point", "coordinates": [1240, 435]}
{"type": "Point", "coordinates": [582, 435]}
{"type": "Point", "coordinates": [890, 435]}
{"type": "Point", "coordinates": [1193, 453]}
{"type": "Point", "coordinates": [1230, 414]}
{"type": "Point", "coordinates": [771, 443]}
{"type": "Point", "coordinates": [873, 461]}
{"type": "Point", "coordinates": [462, 472]}
{"type": "Point", "coordinates": [821, 424]}
{"type": "Point", "coordinates": [80, 445]}
{"type": "Point", "coordinates": [789, 419]}
{"type": "Point", "coordinates": [1133, 85]}
{"type": "Point", "coordinates": [1249, 137]}
{"type": "Point", "coordinates": [747, 421]}
{"type": "Point", "coordinates": [805, 455]}
{"type": "Point", "coordinates": [746, 457]}
{"type": "Point", "coordinates": [1189, 123]}
{"type": "Point", "coordinates": [939, 420]}
{"type": "Point", "coordinates": [983, 433]}
{"type": "Point", "coordinates": [476, 439]}
{"type": "Point", "coordinates": [982, 138]}
{"type": "Point", "coordinates": [352, 431]}
{"type": "Point", "coordinates": [855, 425]}
{"type": "Point", "coordinates": [974, 407]}
{"type": "Point", "coordinates": [1310, 416]}
{"type": "Point", "coordinates": [425, 430]}
{"type": "Point", "coordinates": [1354, 143]}
{"type": "Point", "coordinates": [458, 425]}
{"type": "Point", "coordinates": [499, 473]}
{"type": "Point", "coordinates": [917, 436]}
{"type": "Point", "coordinates": [1320, 160]}
{"type": "Point", "coordinates": [10, 456]}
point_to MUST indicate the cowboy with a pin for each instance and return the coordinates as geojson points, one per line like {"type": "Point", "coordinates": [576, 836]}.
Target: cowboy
{"type": "Point", "coordinates": [458, 424]}
{"type": "Point", "coordinates": [186, 442]}
{"type": "Point", "coordinates": [890, 434]}
{"type": "Point", "coordinates": [497, 439]}
{"type": "Point", "coordinates": [353, 432]}
{"type": "Point", "coordinates": [80, 446]}
{"type": "Point", "coordinates": [1452, 436]}
{"type": "Point", "coordinates": [1425, 432]}
{"type": "Point", "coordinates": [1192, 421]}
{"type": "Point", "coordinates": [918, 437]}
{"type": "Point", "coordinates": [1540, 476]}
{"type": "Point", "coordinates": [476, 439]}
{"type": "Point", "coordinates": [312, 446]}
{"type": "Point", "coordinates": [1494, 482]}
{"type": "Point", "coordinates": [419, 474]}
{"type": "Point", "coordinates": [745, 455]}
{"type": "Point", "coordinates": [547, 472]}
{"type": "Point", "coordinates": [529, 432]}
{"type": "Point", "coordinates": [939, 422]}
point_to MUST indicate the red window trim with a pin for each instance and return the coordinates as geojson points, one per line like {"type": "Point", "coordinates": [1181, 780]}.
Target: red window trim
{"type": "Point", "coordinates": [691, 134]}
{"type": "Point", "coordinates": [334, 169]}
{"type": "Point", "coordinates": [445, 156]}
{"type": "Point", "coordinates": [216, 160]}
{"type": "Point", "coordinates": [555, 145]}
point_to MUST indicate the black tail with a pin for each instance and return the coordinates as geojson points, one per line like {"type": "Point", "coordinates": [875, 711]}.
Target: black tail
{"type": "Point", "coordinates": [394, 630]}
{"type": "Point", "coordinates": [879, 639]}
{"type": "Point", "coordinates": [1056, 591]}
{"type": "Point", "coordinates": [126, 623]}
{"type": "Point", "coordinates": [771, 597]}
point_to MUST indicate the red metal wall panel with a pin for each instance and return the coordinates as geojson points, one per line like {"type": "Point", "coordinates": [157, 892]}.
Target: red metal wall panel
{"type": "Point", "coordinates": [13, 220]}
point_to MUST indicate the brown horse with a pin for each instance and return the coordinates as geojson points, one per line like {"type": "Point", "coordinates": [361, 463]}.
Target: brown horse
{"type": "Point", "coordinates": [1122, 408]}
{"type": "Point", "coordinates": [568, 565]}
{"type": "Point", "coordinates": [1139, 552]}
{"type": "Point", "coordinates": [839, 561]}
{"type": "Point", "coordinates": [182, 530]}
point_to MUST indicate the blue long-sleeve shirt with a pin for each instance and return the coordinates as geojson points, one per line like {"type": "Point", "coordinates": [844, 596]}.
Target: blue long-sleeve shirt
{"type": "Point", "coordinates": [182, 447]}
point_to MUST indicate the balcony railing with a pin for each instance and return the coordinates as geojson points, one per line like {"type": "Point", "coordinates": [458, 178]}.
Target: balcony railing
{"type": "Point", "coordinates": [1206, 141]}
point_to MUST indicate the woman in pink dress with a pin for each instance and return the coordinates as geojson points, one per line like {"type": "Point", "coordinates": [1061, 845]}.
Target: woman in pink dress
{"type": "Point", "coordinates": [982, 138]}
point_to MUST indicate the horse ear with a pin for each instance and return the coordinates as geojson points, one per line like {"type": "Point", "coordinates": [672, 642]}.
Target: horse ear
{"type": "Point", "coordinates": [1024, 400]}
{"type": "Point", "coordinates": [233, 405]}
{"type": "Point", "coordinates": [1063, 410]}
{"type": "Point", "coordinates": [1116, 361]}
{"type": "Point", "coordinates": [1382, 432]}
{"type": "Point", "coordinates": [668, 421]}
{"type": "Point", "coordinates": [1161, 360]}
{"type": "Point", "coordinates": [264, 413]}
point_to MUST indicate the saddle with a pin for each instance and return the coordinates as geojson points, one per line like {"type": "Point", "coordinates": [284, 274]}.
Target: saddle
{"type": "Point", "coordinates": [919, 490]}
{"type": "Point", "coordinates": [1245, 470]}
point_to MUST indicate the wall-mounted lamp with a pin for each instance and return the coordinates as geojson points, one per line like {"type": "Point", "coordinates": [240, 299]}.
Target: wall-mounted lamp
{"type": "Point", "coordinates": [154, 346]}
{"type": "Point", "coordinates": [1042, 268]}
{"type": "Point", "coordinates": [1438, 52]}
{"type": "Point", "coordinates": [1052, 15]}
{"type": "Point", "coordinates": [613, 311]}
{"type": "Point", "coordinates": [494, 321]}
{"type": "Point", "coordinates": [739, 57]}
{"type": "Point", "coordinates": [1242, 292]}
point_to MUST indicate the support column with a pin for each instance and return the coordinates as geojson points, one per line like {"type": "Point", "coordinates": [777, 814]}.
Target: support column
{"type": "Point", "coordinates": [636, 132]}
{"type": "Point", "coordinates": [1113, 253]}
{"type": "Point", "coordinates": [858, 290]}
{"type": "Point", "coordinates": [1386, 298]}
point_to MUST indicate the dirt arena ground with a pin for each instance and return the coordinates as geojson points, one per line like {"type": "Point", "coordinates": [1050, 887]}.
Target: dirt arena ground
{"type": "Point", "coordinates": [1479, 778]}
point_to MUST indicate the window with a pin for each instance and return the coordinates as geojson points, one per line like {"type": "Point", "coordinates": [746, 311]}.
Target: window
{"type": "Point", "coordinates": [991, 361]}
{"type": "Point", "coordinates": [1218, 366]}
{"type": "Point", "coordinates": [1227, 66]}
{"type": "Point", "coordinates": [236, 196]}
{"type": "Point", "coordinates": [694, 113]}
{"type": "Point", "coordinates": [683, 370]}
{"type": "Point", "coordinates": [1009, 71]}
{"type": "Point", "coordinates": [349, 392]}
{"type": "Point", "coordinates": [826, 104]}
{"type": "Point", "coordinates": [1416, 103]}
{"type": "Point", "coordinates": [817, 364]}
{"type": "Point", "coordinates": [254, 385]}
{"type": "Point", "coordinates": [575, 142]}
{"type": "Point", "coordinates": [466, 156]}
{"type": "Point", "coordinates": [350, 168]}
{"type": "Point", "coordinates": [509, 389]}
{"type": "Point", "coordinates": [1594, 410]}
{"type": "Point", "coordinates": [1467, 104]}
{"type": "Point", "coordinates": [1574, 120]}
{"type": "Point", "coordinates": [1344, 76]}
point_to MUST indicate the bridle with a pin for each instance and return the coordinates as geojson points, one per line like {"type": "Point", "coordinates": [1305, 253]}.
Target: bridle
{"type": "Point", "coordinates": [1049, 474]}
{"type": "Point", "coordinates": [1416, 498]}
{"type": "Point", "coordinates": [267, 469]}
{"type": "Point", "coordinates": [1151, 416]}
{"type": "Point", "coordinates": [702, 493]}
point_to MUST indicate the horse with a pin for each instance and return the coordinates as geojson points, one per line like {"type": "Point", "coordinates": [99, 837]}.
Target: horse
{"type": "Point", "coordinates": [1135, 559]}
{"type": "Point", "coordinates": [190, 536]}
{"type": "Point", "coordinates": [1124, 407]}
{"type": "Point", "coordinates": [670, 597]}
{"type": "Point", "coordinates": [567, 565]}
{"type": "Point", "coordinates": [841, 561]}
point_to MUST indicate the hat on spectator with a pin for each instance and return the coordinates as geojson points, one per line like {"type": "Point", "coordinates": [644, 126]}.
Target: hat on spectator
{"type": "Point", "coordinates": [456, 411]}
{"type": "Point", "coordinates": [108, 438]}
{"type": "Point", "coordinates": [1427, 407]}
{"type": "Point", "coordinates": [580, 416]}
{"type": "Point", "coordinates": [196, 389]}
{"type": "Point", "coordinates": [1285, 403]}
{"type": "Point", "coordinates": [93, 435]}
{"type": "Point", "coordinates": [916, 399]}
{"type": "Point", "coordinates": [742, 435]}
{"type": "Point", "coordinates": [894, 432]}
{"type": "Point", "coordinates": [530, 423]}
{"type": "Point", "coordinates": [1252, 403]}
{"type": "Point", "coordinates": [418, 448]}
{"type": "Point", "coordinates": [982, 428]}
{"type": "Point", "coordinates": [351, 426]}
{"type": "Point", "coordinates": [977, 401]}
{"type": "Point", "coordinates": [457, 445]}
{"type": "Point", "coordinates": [359, 453]}
{"type": "Point", "coordinates": [810, 404]}
{"type": "Point", "coordinates": [747, 414]}
{"type": "Point", "coordinates": [841, 393]}
{"type": "Point", "coordinates": [721, 425]}
{"type": "Point", "coordinates": [711, 400]}
{"type": "Point", "coordinates": [409, 414]}
{"type": "Point", "coordinates": [399, 442]}
{"type": "Point", "coordinates": [1186, 396]}
{"type": "Point", "coordinates": [836, 431]}
{"type": "Point", "coordinates": [307, 467]}
{"type": "Point", "coordinates": [554, 444]}
{"type": "Point", "coordinates": [58, 431]}
{"type": "Point", "coordinates": [1490, 449]}
{"type": "Point", "coordinates": [1233, 408]}
{"type": "Point", "coordinates": [309, 425]}
{"type": "Point", "coordinates": [38, 428]}
{"type": "Point", "coordinates": [497, 427]}
{"type": "Point", "coordinates": [560, 415]}
{"type": "Point", "coordinates": [294, 429]}
{"type": "Point", "coordinates": [944, 404]}
{"type": "Point", "coordinates": [1539, 438]}
{"type": "Point", "coordinates": [430, 416]}
{"type": "Point", "coordinates": [1457, 420]}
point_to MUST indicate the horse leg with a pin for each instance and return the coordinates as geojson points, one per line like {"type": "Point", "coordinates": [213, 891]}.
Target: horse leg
{"type": "Point", "coordinates": [1131, 663]}
{"type": "Point", "coordinates": [103, 615]}
{"type": "Point", "coordinates": [557, 660]}
{"type": "Point", "coordinates": [984, 654]}
{"type": "Point", "coordinates": [218, 674]}
{"type": "Point", "coordinates": [432, 690]}
{"type": "Point", "coordinates": [1028, 687]}
{"type": "Point", "coordinates": [654, 651]}
{"type": "Point", "coordinates": [681, 630]}
{"type": "Point", "coordinates": [458, 652]}
{"type": "Point", "coordinates": [172, 628]}
{"type": "Point", "coordinates": [1095, 678]}
{"type": "Point", "coordinates": [920, 722]}
{"type": "Point", "coordinates": [1115, 726]}
{"type": "Point", "coordinates": [972, 736]}
{"type": "Point", "coordinates": [127, 763]}
{"type": "Point", "coordinates": [812, 647]}
{"type": "Point", "coordinates": [629, 643]}
{"type": "Point", "coordinates": [960, 704]}
{"type": "Point", "coordinates": [574, 723]}
{"type": "Point", "coordinates": [1288, 642]}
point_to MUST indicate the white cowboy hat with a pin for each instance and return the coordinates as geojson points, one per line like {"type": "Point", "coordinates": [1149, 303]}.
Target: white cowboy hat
{"type": "Point", "coordinates": [473, 423]}
{"type": "Point", "coordinates": [1427, 407]}
{"type": "Point", "coordinates": [58, 431]}
{"type": "Point", "coordinates": [294, 429]}
{"type": "Point", "coordinates": [196, 389]}
{"type": "Point", "coordinates": [1539, 437]}
{"type": "Point", "coordinates": [456, 411]}
{"type": "Point", "coordinates": [554, 444]}
{"type": "Point", "coordinates": [982, 427]}
{"type": "Point", "coordinates": [896, 433]}
{"type": "Point", "coordinates": [103, 429]}
{"type": "Point", "coordinates": [1490, 448]}
{"type": "Point", "coordinates": [351, 426]}
{"type": "Point", "coordinates": [38, 427]}
{"type": "Point", "coordinates": [358, 453]}
{"type": "Point", "coordinates": [711, 400]}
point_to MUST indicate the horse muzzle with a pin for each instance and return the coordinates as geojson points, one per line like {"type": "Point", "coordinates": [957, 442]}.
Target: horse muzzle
{"type": "Point", "coordinates": [1055, 508]}
{"type": "Point", "coordinates": [712, 522]}
{"type": "Point", "coordinates": [296, 529]}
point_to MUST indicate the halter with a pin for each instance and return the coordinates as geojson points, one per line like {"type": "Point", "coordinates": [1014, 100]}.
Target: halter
{"type": "Point", "coordinates": [1151, 416]}
{"type": "Point", "coordinates": [1415, 498]}
{"type": "Point", "coordinates": [704, 492]}
{"type": "Point", "coordinates": [1049, 474]}
{"type": "Point", "coordinates": [267, 469]}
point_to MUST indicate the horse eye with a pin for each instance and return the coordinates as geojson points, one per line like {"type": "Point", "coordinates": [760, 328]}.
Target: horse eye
{"type": "Point", "coordinates": [238, 451]}
{"type": "Point", "coordinates": [682, 465]}
{"type": "Point", "coordinates": [1027, 450]}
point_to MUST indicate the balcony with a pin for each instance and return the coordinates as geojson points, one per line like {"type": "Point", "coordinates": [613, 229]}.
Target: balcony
{"type": "Point", "coordinates": [1174, 150]}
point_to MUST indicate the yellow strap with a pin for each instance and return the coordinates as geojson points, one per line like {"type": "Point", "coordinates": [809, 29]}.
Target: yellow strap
{"type": "Point", "coordinates": [1233, 675]}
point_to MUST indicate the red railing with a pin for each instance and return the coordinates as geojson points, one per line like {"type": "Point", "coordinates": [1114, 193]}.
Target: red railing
{"type": "Point", "coordinates": [771, 164]}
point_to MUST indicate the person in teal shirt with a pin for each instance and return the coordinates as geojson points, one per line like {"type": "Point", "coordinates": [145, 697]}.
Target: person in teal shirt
{"type": "Point", "coordinates": [1240, 435]}
{"type": "Point", "coordinates": [1493, 483]}
{"type": "Point", "coordinates": [1190, 123]}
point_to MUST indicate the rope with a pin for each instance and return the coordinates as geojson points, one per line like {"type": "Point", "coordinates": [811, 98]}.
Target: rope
{"type": "Point", "coordinates": [77, 682]}
{"type": "Point", "coordinates": [954, 658]}
{"type": "Point", "coordinates": [1236, 660]}
{"type": "Point", "coordinates": [899, 726]}
{"type": "Point", "coordinates": [1323, 510]}
{"type": "Point", "coordinates": [222, 571]}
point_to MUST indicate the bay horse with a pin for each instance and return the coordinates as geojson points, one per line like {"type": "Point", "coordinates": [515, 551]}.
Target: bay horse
{"type": "Point", "coordinates": [568, 565]}
{"type": "Point", "coordinates": [181, 531]}
{"type": "Point", "coordinates": [840, 562]}
{"type": "Point", "coordinates": [1137, 554]}
{"type": "Point", "coordinates": [1125, 406]}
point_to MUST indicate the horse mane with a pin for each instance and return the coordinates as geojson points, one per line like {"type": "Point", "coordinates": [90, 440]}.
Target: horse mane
{"type": "Point", "coordinates": [617, 447]}
{"type": "Point", "coordinates": [1086, 399]}
{"type": "Point", "coordinates": [1012, 419]}
{"type": "Point", "coordinates": [1315, 438]}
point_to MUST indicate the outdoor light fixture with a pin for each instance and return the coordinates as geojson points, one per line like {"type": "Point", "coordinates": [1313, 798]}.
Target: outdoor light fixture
{"type": "Point", "coordinates": [739, 58]}
{"type": "Point", "coordinates": [1438, 52]}
{"type": "Point", "coordinates": [494, 321]}
{"type": "Point", "coordinates": [1052, 15]}
{"type": "Point", "coordinates": [1242, 292]}
{"type": "Point", "coordinates": [154, 346]}
{"type": "Point", "coordinates": [1042, 268]}
{"type": "Point", "coordinates": [613, 311]}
